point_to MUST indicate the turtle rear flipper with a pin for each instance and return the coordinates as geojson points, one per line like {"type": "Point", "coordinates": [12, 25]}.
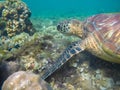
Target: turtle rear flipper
{"type": "Point", "coordinates": [73, 49]}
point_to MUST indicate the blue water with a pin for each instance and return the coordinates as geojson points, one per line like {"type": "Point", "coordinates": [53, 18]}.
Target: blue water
{"type": "Point", "coordinates": [72, 7]}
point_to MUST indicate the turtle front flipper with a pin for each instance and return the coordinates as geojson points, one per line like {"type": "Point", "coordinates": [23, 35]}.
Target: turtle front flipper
{"type": "Point", "coordinates": [73, 49]}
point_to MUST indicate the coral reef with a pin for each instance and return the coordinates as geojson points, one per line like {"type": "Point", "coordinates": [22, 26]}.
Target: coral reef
{"type": "Point", "coordinates": [22, 52]}
{"type": "Point", "coordinates": [38, 52]}
{"type": "Point", "coordinates": [14, 20]}
{"type": "Point", "coordinates": [25, 81]}
{"type": "Point", "coordinates": [14, 16]}
{"type": "Point", "coordinates": [29, 53]}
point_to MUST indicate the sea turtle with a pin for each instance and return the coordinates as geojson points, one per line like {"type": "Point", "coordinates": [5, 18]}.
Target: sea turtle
{"type": "Point", "coordinates": [100, 35]}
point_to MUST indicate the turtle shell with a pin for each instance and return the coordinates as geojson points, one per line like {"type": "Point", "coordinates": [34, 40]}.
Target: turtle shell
{"type": "Point", "coordinates": [105, 28]}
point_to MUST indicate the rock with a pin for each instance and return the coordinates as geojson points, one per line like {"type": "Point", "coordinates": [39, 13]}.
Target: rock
{"type": "Point", "coordinates": [25, 81]}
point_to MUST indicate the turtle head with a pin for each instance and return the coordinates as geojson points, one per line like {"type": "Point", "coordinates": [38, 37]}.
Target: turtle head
{"type": "Point", "coordinates": [71, 27]}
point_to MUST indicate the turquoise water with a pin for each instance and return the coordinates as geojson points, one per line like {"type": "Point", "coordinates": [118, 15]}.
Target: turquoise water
{"type": "Point", "coordinates": [46, 26]}
{"type": "Point", "coordinates": [72, 7]}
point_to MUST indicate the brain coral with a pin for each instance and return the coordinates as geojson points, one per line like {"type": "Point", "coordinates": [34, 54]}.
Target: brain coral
{"type": "Point", "coordinates": [25, 81]}
{"type": "Point", "coordinates": [15, 14]}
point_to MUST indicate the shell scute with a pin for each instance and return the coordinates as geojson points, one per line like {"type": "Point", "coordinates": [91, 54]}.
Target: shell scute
{"type": "Point", "coordinates": [103, 22]}
{"type": "Point", "coordinates": [105, 30]}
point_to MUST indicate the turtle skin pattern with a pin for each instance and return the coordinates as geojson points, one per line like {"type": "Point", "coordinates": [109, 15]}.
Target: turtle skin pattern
{"type": "Point", "coordinates": [100, 35]}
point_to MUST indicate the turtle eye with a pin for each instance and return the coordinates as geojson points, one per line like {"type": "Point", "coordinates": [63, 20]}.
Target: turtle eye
{"type": "Point", "coordinates": [58, 27]}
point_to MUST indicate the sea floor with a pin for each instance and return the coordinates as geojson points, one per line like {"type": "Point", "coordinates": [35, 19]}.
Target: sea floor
{"type": "Point", "coordinates": [82, 72]}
